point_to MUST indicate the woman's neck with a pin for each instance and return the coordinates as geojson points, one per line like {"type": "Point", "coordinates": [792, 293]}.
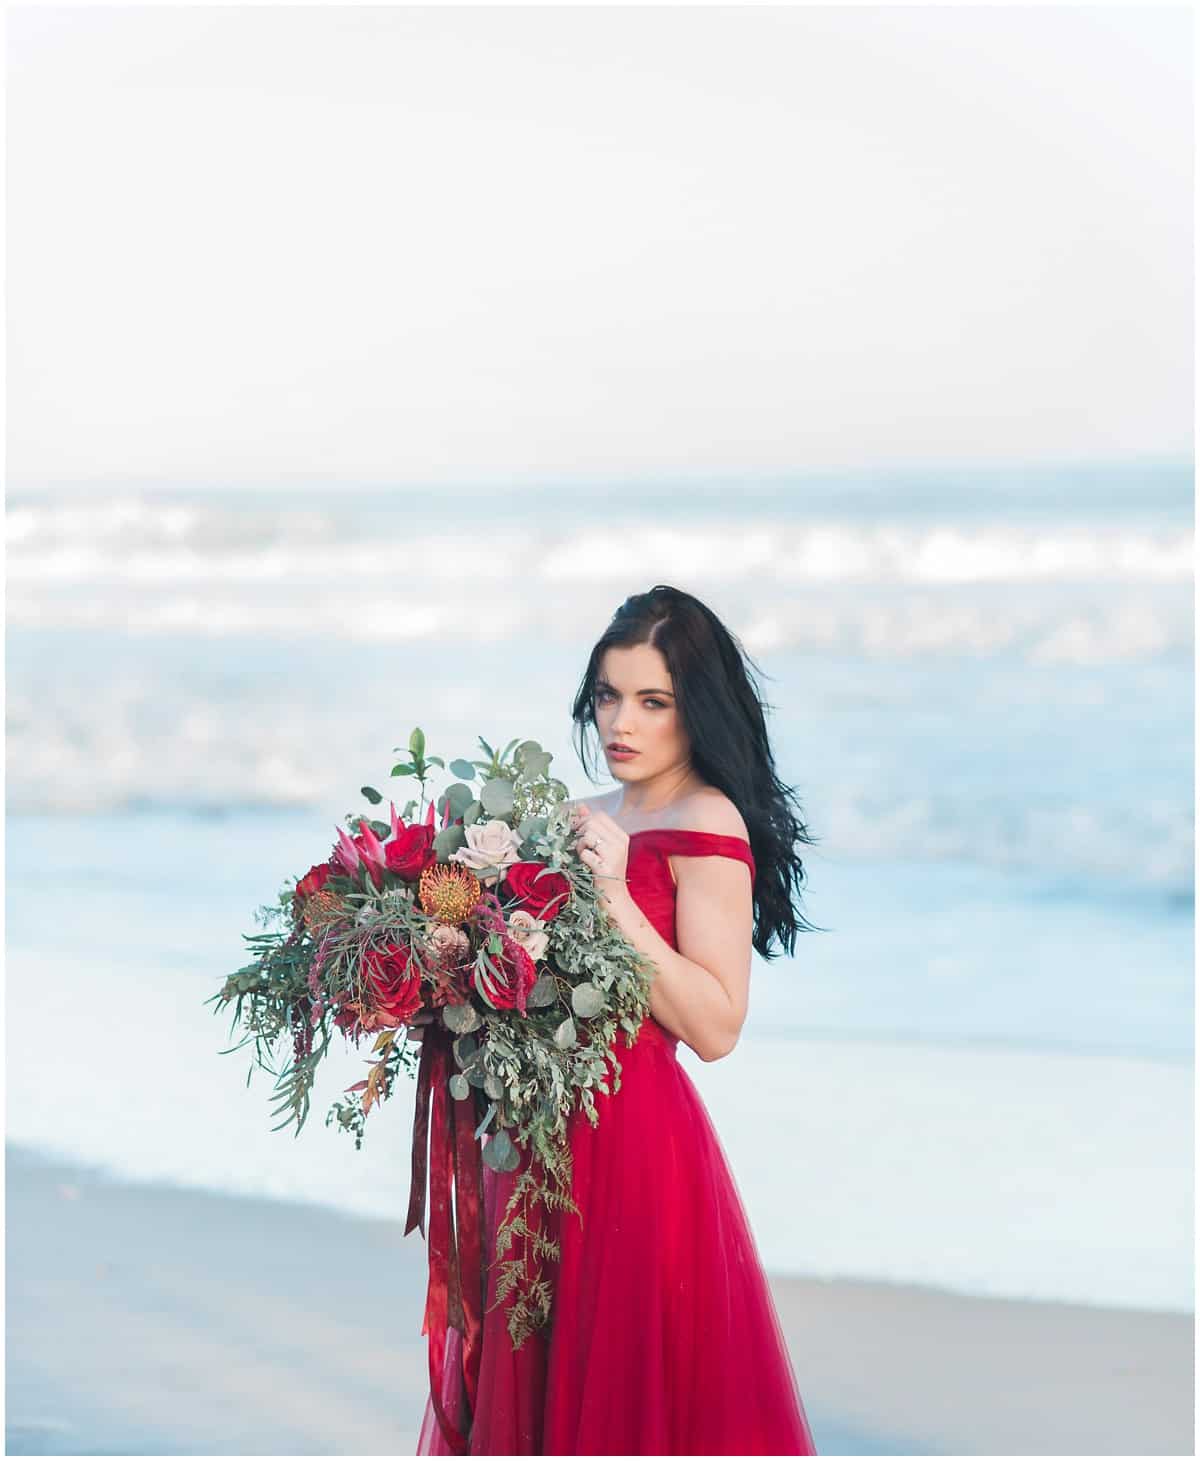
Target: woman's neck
{"type": "Point", "coordinates": [647, 798]}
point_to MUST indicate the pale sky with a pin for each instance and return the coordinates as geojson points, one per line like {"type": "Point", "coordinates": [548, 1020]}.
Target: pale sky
{"type": "Point", "coordinates": [339, 245]}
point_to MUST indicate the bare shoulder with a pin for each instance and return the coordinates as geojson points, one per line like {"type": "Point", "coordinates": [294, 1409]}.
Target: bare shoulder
{"type": "Point", "coordinates": [711, 810]}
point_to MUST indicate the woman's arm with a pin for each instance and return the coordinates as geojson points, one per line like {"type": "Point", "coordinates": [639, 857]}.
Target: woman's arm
{"type": "Point", "coordinates": [704, 1003]}
{"type": "Point", "coordinates": [701, 991]}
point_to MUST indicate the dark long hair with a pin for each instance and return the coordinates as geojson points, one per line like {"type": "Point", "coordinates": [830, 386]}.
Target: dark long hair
{"type": "Point", "coordinates": [717, 694]}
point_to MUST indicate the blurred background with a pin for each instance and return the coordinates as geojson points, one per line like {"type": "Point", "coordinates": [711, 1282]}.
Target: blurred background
{"type": "Point", "coordinates": [361, 363]}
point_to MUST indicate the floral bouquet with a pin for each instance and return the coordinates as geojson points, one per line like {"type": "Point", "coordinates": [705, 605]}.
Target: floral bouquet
{"type": "Point", "coordinates": [475, 932]}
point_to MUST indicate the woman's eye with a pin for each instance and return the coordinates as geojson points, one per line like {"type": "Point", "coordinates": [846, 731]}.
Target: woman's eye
{"type": "Point", "coordinates": [608, 695]}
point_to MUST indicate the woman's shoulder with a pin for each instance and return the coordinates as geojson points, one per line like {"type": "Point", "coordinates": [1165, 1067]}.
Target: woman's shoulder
{"type": "Point", "coordinates": [712, 811]}
{"type": "Point", "coordinates": [706, 810]}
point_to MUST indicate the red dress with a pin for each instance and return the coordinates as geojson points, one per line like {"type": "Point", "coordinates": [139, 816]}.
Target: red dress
{"type": "Point", "coordinates": [664, 1338]}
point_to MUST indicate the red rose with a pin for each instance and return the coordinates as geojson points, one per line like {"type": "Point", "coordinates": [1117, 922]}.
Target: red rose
{"type": "Point", "coordinates": [543, 896]}
{"type": "Point", "coordinates": [394, 984]}
{"type": "Point", "coordinates": [410, 851]}
{"type": "Point", "coordinates": [312, 882]}
{"type": "Point", "coordinates": [516, 975]}
{"type": "Point", "coordinates": [393, 994]}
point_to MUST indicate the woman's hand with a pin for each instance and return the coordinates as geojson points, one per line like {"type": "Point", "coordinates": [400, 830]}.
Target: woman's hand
{"type": "Point", "coordinates": [603, 846]}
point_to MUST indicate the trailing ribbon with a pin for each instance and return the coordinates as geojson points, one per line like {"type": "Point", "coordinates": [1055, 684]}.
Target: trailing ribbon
{"type": "Point", "coordinates": [457, 1287]}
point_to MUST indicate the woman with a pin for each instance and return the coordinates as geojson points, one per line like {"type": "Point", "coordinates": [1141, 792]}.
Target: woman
{"type": "Point", "coordinates": [664, 1339]}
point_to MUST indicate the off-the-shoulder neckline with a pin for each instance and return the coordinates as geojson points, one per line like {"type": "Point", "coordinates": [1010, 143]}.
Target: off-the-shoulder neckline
{"type": "Point", "coordinates": [689, 832]}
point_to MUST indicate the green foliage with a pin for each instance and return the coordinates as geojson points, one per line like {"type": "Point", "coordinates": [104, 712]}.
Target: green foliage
{"type": "Point", "coordinates": [534, 1069]}
{"type": "Point", "coordinates": [449, 840]}
{"type": "Point", "coordinates": [461, 1017]}
{"type": "Point", "coordinates": [458, 797]}
{"type": "Point", "coordinates": [587, 1000]}
{"type": "Point", "coordinates": [497, 797]}
{"type": "Point", "coordinates": [272, 997]}
{"type": "Point", "coordinates": [500, 1154]}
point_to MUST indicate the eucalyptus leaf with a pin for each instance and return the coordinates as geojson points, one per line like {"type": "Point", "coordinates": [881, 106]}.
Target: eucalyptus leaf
{"type": "Point", "coordinates": [487, 1120]}
{"type": "Point", "coordinates": [499, 1152]}
{"type": "Point", "coordinates": [537, 765]}
{"type": "Point", "coordinates": [587, 1000]}
{"type": "Point", "coordinates": [544, 992]}
{"type": "Point", "coordinates": [460, 798]}
{"type": "Point", "coordinates": [497, 797]}
{"type": "Point", "coordinates": [472, 814]}
{"type": "Point", "coordinates": [460, 1018]}
{"type": "Point", "coordinates": [463, 769]}
{"type": "Point", "coordinates": [564, 1035]}
{"type": "Point", "coordinates": [476, 1077]}
{"type": "Point", "coordinates": [493, 1086]}
{"type": "Point", "coordinates": [496, 1149]}
{"type": "Point", "coordinates": [373, 796]}
{"type": "Point", "coordinates": [449, 840]}
{"type": "Point", "coordinates": [459, 1088]}
{"type": "Point", "coordinates": [465, 1047]}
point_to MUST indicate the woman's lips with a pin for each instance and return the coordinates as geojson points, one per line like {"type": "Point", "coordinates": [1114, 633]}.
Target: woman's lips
{"type": "Point", "coordinates": [620, 753]}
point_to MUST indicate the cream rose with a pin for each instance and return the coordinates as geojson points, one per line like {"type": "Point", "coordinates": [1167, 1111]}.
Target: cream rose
{"type": "Point", "coordinates": [489, 845]}
{"type": "Point", "coordinates": [529, 932]}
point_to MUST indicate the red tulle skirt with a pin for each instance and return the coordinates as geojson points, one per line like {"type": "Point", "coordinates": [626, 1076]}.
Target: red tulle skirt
{"type": "Point", "coordinates": [664, 1338]}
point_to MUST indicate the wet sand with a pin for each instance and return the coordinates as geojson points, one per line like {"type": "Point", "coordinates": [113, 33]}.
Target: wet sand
{"type": "Point", "coordinates": [145, 1319]}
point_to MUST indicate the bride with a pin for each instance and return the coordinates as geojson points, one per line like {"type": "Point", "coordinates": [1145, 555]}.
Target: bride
{"type": "Point", "coordinates": [664, 1338]}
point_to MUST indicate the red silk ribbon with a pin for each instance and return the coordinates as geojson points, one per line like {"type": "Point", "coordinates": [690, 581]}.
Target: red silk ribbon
{"type": "Point", "coordinates": [457, 1288]}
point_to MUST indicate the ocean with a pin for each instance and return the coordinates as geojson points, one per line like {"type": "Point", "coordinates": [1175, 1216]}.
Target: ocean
{"type": "Point", "coordinates": [979, 682]}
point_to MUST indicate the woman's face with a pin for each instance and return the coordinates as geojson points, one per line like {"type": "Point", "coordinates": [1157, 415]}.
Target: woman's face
{"type": "Point", "coordinates": [635, 705]}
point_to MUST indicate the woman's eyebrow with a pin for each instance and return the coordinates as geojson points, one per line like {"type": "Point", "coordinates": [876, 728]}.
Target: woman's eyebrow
{"type": "Point", "coordinates": [605, 685]}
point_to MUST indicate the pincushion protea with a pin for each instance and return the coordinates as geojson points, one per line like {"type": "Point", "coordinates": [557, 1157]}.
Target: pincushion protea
{"type": "Point", "coordinates": [449, 892]}
{"type": "Point", "coordinates": [322, 908]}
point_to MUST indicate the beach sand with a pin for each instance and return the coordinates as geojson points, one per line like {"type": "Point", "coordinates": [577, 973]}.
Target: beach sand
{"type": "Point", "coordinates": [145, 1319]}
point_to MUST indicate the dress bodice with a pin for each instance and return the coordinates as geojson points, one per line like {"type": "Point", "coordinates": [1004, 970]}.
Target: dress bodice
{"type": "Point", "coordinates": [652, 883]}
